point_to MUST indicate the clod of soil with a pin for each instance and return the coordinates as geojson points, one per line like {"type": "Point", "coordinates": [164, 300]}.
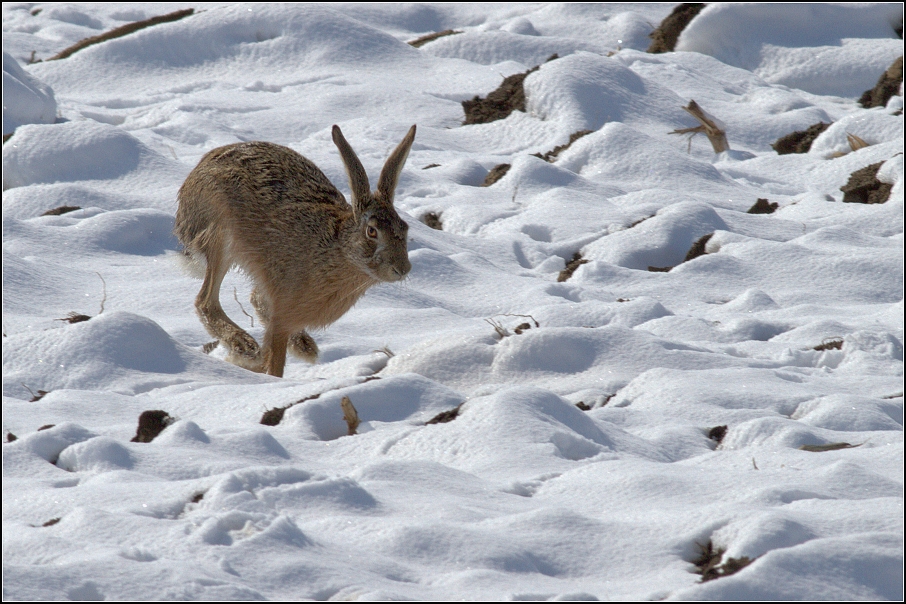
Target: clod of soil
{"type": "Point", "coordinates": [581, 405]}
{"type": "Point", "coordinates": [522, 327]}
{"type": "Point", "coordinates": [61, 210]}
{"type": "Point", "coordinates": [197, 497]}
{"type": "Point", "coordinates": [74, 317]}
{"type": "Point", "coordinates": [698, 248]}
{"type": "Point", "coordinates": [835, 344]}
{"type": "Point", "coordinates": [51, 522]}
{"type": "Point", "coordinates": [659, 269]}
{"type": "Point", "coordinates": [274, 416]}
{"type": "Point", "coordinates": [509, 97]}
{"type": "Point", "coordinates": [432, 219]}
{"type": "Point", "coordinates": [799, 141]}
{"type": "Point", "coordinates": [419, 42]}
{"type": "Point", "coordinates": [888, 85]}
{"type": "Point", "coordinates": [496, 173]}
{"type": "Point", "coordinates": [150, 424]}
{"type": "Point", "coordinates": [864, 187]}
{"type": "Point", "coordinates": [10, 437]}
{"type": "Point", "coordinates": [709, 563]}
{"type": "Point", "coordinates": [446, 416]}
{"type": "Point", "coordinates": [827, 447]}
{"type": "Point", "coordinates": [551, 155]}
{"type": "Point", "coordinates": [717, 433]}
{"type": "Point", "coordinates": [571, 267]}
{"type": "Point", "coordinates": [763, 206]}
{"type": "Point", "coordinates": [663, 39]}
{"type": "Point", "coordinates": [121, 31]}
{"type": "Point", "coordinates": [429, 166]}
{"type": "Point", "coordinates": [46, 426]}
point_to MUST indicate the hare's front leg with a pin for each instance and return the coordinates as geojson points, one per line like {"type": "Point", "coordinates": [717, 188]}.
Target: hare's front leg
{"type": "Point", "coordinates": [300, 343]}
{"type": "Point", "coordinates": [243, 349]}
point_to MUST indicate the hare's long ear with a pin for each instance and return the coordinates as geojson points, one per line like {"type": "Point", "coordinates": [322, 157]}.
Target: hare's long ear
{"type": "Point", "coordinates": [390, 175]}
{"type": "Point", "coordinates": [358, 180]}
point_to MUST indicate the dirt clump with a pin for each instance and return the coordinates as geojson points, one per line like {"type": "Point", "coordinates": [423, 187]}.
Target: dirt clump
{"type": "Point", "coordinates": [717, 433]}
{"type": "Point", "coordinates": [150, 424]}
{"type": "Point", "coordinates": [551, 155]}
{"type": "Point", "coordinates": [496, 173]}
{"type": "Point", "coordinates": [432, 219]}
{"type": "Point", "coordinates": [419, 42]}
{"type": "Point", "coordinates": [709, 566]}
{"type": "Point", "coordinates": [698, 248]}
{"type": "Point", "coordinates": [864, 187]}
{"type": "Point", "coordinates": [888, 85]}
{"type": "Point", "coordinates": [799, 141]}
{"type": "Point", "coordinates": [763, 206]}
{"type": "Point", "coordinates": [509, 97]}
{"type": "Point", "coordinates": [446, 416]}
{"type": "Point", "coordinates": [663, 39]}
{"type": "Point", "coordinates": [61, 210]}
{"type": "Point", "coordinates": [571, 267]}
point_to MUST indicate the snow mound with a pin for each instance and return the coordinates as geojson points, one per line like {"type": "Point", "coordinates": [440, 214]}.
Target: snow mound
{"type": "Point", "coordinates": [26, 100]}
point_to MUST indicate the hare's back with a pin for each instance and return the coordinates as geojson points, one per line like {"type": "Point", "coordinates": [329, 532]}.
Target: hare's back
{"type": "Point", "coordinates": [270, 174]}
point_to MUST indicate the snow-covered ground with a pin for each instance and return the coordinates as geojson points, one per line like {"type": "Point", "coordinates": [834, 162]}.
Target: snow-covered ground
{"type": "Point", "coordinates": [524, 495]}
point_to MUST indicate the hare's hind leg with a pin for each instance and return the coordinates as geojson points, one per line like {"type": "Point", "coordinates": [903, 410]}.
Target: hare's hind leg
{"type": "Point", "coordinates": [300, 343]}
{"type": "Point", "coordinates": [243, 349]}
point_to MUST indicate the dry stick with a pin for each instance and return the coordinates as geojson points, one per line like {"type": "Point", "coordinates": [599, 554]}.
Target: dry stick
{"type": "Point", "coordinates": [350, 415]}
{"type": "Point", "coordinates": [121, 31]}
{"type": "Point", "coordinates": [104, 297]}
{"type": "Point", "coordinates": [717, 136]}
{"type": "Point", "coordinates": [236, 297]}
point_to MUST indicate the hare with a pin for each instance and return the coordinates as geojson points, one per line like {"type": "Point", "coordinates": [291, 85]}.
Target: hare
{"type": "Point", "coordinates": [270, 211]}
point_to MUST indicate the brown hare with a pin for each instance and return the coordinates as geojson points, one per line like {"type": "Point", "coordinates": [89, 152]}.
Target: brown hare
{"type": "Point", "coordinates": [265, 208]}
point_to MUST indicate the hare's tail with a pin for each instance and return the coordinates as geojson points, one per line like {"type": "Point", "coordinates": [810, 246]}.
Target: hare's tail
{"type": "Point", "coordinates": [192, 263]}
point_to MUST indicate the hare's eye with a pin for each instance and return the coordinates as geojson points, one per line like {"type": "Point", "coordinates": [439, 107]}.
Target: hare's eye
{"type": "Point", "coordinates": [371, 232]}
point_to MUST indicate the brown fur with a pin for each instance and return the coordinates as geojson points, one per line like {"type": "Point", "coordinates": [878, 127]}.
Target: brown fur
{"type": "Point", "coordinates": [270, 211]}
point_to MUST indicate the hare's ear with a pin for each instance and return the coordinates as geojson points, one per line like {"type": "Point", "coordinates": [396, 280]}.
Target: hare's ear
{"type": "Point", "coordinates": [358, 180]}
{"type": "Point", "coordinates": [393, 166]}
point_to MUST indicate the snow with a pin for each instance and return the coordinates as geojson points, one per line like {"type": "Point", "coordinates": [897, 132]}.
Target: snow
{"type": "Point", "coordinates": [523, 495]}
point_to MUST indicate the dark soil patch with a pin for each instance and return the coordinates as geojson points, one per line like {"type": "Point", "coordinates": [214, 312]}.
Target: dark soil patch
{"type": "Point", "coordinates": [717, 433]}
{"type": "Point", "coordinates": [571, 267]}
{"type": "Point", "coordinates": [432, 219]}
{"type": "Point", "coordinates": [429, 166]}
{"type": "Point", "coordinates": [827, 447]}
{"type": "Point", "coordinates": [121, 31]}
{"type": "Point", "coordinates": [496, 173]}
{"type": "Point", "coordinates": [509, 97]}
{"type": "Point", "coordinates": [698, 248]}
{"type": "Point", "coordinates": [197, 497]}
{"type": "Point", "coordinates": [419, 42]}
{"type": "Point", "coordinates": [46, 427]}
{"type": "Point", "coordinates": [709, 564]}
{"type": "Point", "coordinates": [150, 424]}
{"type": "Point", "coordinates": [763, 206]}
{"type": "Point", "coordinates": [61, 210]}
{"type": "Point", "coordinates": [274, 416]}
{"type": "Point", "coordinates": [799, 141]}
{"type": "Point", "coordinates": [446, 416]}
{"type": "Point", "coordinates": [864, 187]}
{"type": "Point", "coordinates": [51, 522]}
{"type": "Point", "coordinates": [835, 344]}
{"type": "Point", "coordinates": [551, 155]}
{"type": "Point", "coordinates": [74, 317]}
{"type": "Point", "coordinates": [663, 39]}
{"type": "Point", "coordinates": [10, 437]}
{"type": "Point", "coordinates": [581, 405]}
{"type": "Point", "coordinates": [36, 397]}
{"type": "Point", "coordinates": [6, 137]}
{"type": "Point", "coordinates": [888, 85]}
{"type": "Point", "coordinates": [522, 327]}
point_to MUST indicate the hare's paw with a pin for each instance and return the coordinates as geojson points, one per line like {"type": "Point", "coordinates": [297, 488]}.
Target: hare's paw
{"type": "Point", "coordinates": [303, 346]}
